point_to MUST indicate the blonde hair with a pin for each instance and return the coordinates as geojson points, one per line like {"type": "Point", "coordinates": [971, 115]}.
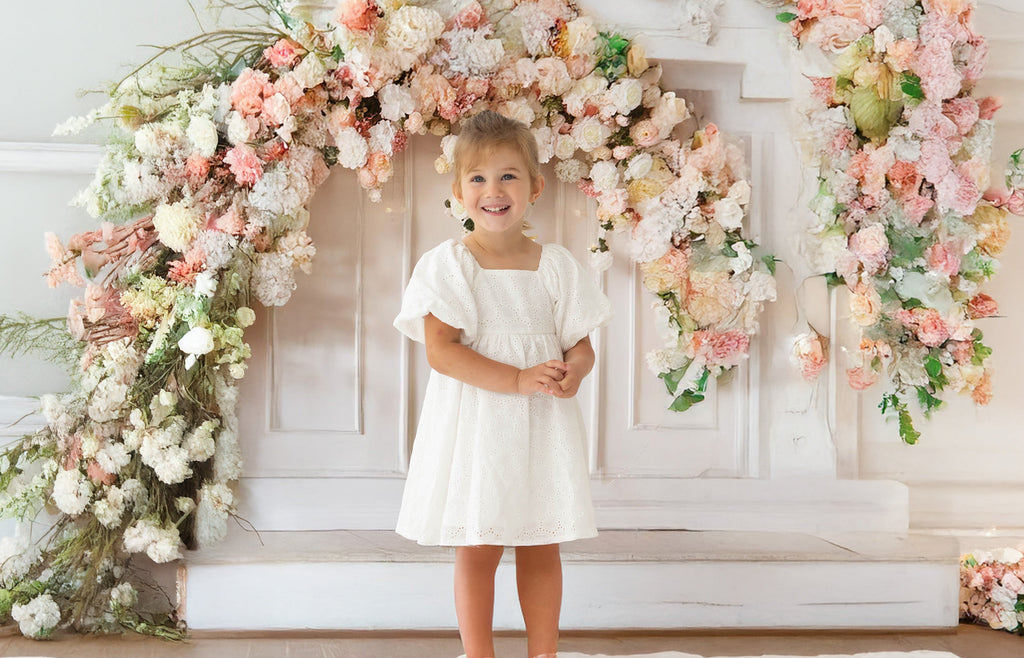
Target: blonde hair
{"type": "Point", "coordinates": [489, 130]}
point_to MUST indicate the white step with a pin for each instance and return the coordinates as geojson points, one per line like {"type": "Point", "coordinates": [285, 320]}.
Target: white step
{"type": "Point", "coordinates": [375, 580]}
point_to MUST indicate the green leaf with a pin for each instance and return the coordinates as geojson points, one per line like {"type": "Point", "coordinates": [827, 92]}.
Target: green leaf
{"type": "Point", "coordinates": [1019, 606]}
{"type": "Point", "coordinates": [727, 250]}
{"type": "Point", "coordinates": [337, 53]}
{"type": "Point", "coordinates": [981, 352]}
{"type": "Point", "coordinates": [911, 86]}
{"type": "Point", "coordinates": [833, 280]}
{"type": "Point", "coordinates": [893, 403]}
{"type": "Point", "coordinates": [686, 400]}
{"type": "Point", "coordinates": [786, 17]}
{"type": "Point", "coordinates": [769, 262]}
{"type": "Point", "coordinates": [932, 366]}
{"type": "Point", "coordinates": [912, 302]}
{"type": "Point", "coordinates": [969, 561]}
{"type": "Point", "coordinates": [673, 377]}
{"type": "Point", "coordinates": [927, 401]}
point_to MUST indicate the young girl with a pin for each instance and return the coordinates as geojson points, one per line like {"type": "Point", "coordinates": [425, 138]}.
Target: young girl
{"type": "Point", "coordinates": [499, 457]}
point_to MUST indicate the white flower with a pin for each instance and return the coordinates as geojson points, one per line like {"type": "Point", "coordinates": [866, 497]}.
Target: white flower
{"type": "Point", "coordinates": [160, 544]}
{"type": "Point", "coordinates": [108, 510]}
{"type": "Point", "coordinates": [411, 32]}
{"type": "Point", "coordinates": [601, 260]}
{"type": "Point", "coordinates": [206, 283]}
{"type": "Point", "coordinates": [626, 95]}
{"type": "Point", "coordinates": [760, 287]}
{"type": "Point", "coordinates": [728, 213]}
{"type": "Point", "coordinates": [158, 140]}
{"type": "Point", "coordinates": [216, 502]}
{"type": "Point", "coordinates": [518, 109]}
{"type": "Point", "coordinates": [652, 236]}
{"type": "Point", "coordinates": [395, 102]}
{"type": "Point", "coordinates": [471, 53]}
{"type": "Point", "coordinates": [197, 342]}
{"type": "Point", "coordinates": [107, 399]}
{"type": "Point", "coordinates": [352, 148]}
{"type": "Point", "coordinates": [605, 175]}
{"type": "Point", "coordinates": [565, 147]}
{"type": "Point", "coordinates": [740, 191]}
{"type": "Point", "coordinates": [639, 166]}
{"type": "Point", "coordinates": [177, 225]}
{"type": "Point", "coordinates": [113, 457]}
{"type": "Point", "coordinates": [570, 171]}
{"type": "Point", "coordinates": [202, 132]}
{"type": "Point", "coordinates": [545, 143]}
{"type": "Point", "coordinates": [244, 316]}
{"type": "Point", "coordinates": [238, 128]}
{"type": "Point", "coordinates": [71, 491]}
{"type": "Point", "coordinates": [273, 278]}
{"type": "Point", "coordinates": [184, 504]}
{"type": "Point", "coordinates": [37, 618]}
{"type": "Point", "coordinates": [124, 595]}
{"type": "Point", "coordinates": [199, 442]}
{"type": "Point", "coordinates": [382, 135]}
{"type": "Point", "coordinates": [277, 109]}
{"type": "Point", "coordinates": [282, 190]}
{"type": "Point", "coordinates": [553, 77]}
{"type": "Point", "coordinates": [590, 133]}
{"type": "Point", "coordinates": [743, 259]}
{"type": "Point", "coordinates": [17, 556]}
{"type": "Point", "coordinates": [310, 72]}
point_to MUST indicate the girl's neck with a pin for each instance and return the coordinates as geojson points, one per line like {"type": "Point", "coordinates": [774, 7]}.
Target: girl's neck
{"type": "Point", "coordinates": [503, 251]}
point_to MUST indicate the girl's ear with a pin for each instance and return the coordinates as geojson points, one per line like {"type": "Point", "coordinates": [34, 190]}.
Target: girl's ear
{"type": "Point", "coordinates": [538, 187]}
{"type": "Point", "coordinates": [457, 191]}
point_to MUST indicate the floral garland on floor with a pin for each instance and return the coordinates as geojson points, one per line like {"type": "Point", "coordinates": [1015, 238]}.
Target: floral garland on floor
{"type": "Point", "coordinates": [204, 188]}
{"type": "Point", "coordinates": [907, 221]}
{"type": "Point", "coordinates": [992, 589]}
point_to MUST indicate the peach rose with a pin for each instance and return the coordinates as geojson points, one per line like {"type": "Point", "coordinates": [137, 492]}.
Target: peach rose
{"type": "Point", "coordinates": [981, 306]}
{"type": "Point", "coordinates": [861, 378]}
{"type": "Point", "coordinates": [865, 305]}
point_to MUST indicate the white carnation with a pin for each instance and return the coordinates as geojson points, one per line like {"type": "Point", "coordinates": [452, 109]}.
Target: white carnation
{"type": "Point", "coordinates": [273, 279]}
{"type": "Point", "coordinates": [124, 595]}
{"type": "Point", "coordinates": [71, 491]}
{"type": "Point", "coordinates": [113, 457]}
{"type": "Point", "coordinates": [395, 102]}
{"type": "Point", "coordinates": [545, 143]}
{"type": "Point", "coordinates": [565, 147]}
{"type": "Point", "coordinates": [177, 225]}
{"type": "Point", "coordinates": [238, 128]}
{"type": "Point", "coordinates": [107, 399]}
{"type": "Point", "coordinates": [38, 618]}
{"type": "Point", "coordinates": [570, 171]}
{"type": "Point", "coordinates": [160, 544]}
{"type": "Point", "coordinates": [158, 140]}
{"type": "Point", "coordinates": [639, 166]}
{"type": "Point", "coordinates": [310, 72]}
{"type": "Point", "coordinates": [760, 287]}
{"type": "Point", "coordinates": [471, 53]}
{"type": "Point", "coordinates": [216, 502]}
{"type": "Point", "coordinates": [352, 148]}
{"type": "Point", "coordinates": [411, 32]}
{"type": "Point", "coordinates": [17, 556]}
{"type": "Point", "coordinates": [518, 109]}
{"type": "Point", "coordinates": [199, 443]}
{"type": "Point", "coordinates": [202, 132]}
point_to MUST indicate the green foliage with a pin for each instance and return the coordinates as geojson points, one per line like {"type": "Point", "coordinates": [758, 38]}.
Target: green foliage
{"type": "Point", "coordinates": [612, 53]}
{"type": "Point", "coordinates": [892, 404]}
{"type": "Point", "coordinates": [833, 280]}
{"type": "Point", "coordinates": [769, 261]}
{"type": "Point", "coordinates": [22, 334]}
{"type": "Point", "coordinates": [785, 17]}
{"type": "Point", "coordinates": [911, 85]}
{"type": "Point", "coordinates": [906, 248]}
{"type": "Point", "coordinates": [981, 351]}
{"type": "Point", "coordinates": [927, 401]}
{"type": "Point", "coordinates": [689, 396]}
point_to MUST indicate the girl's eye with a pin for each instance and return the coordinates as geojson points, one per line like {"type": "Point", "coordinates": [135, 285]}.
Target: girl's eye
{"type": "Point", "coordinates": [508, 177]}
{"type": "Point", "coordinates": [477, 179]}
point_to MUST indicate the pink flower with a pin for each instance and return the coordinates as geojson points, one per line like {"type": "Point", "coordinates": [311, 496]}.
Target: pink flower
{"type": "Point", "coordinates": [982, 392]}
{"type": "Point", "coordinates": [963, 111]}
{"type": "Point", "coordinates": [929, 325]}
{"type": "Point", "coordinates": [927, 120]}
{"type": "Point", "coordinates": [811, 354]}
{"type": "Point", "coordinates": [868, 12]}
{"type": "Point", "coordinates": [726, 349]}
{"type": "Point", "coordinates": [357, 15]}
{"type": "Point", "coordinates": [905, 177]}
{"type": "Point", "coordinates": [186, 270]}
{"type": "Point", "coordinates": [100, 476]}
{"type": "Point", "coordinates": [380, 166]}
{"type": "Point", "coordinates": [834, 33]}
{"type": "Point", "coordinates": [471, 16]}
{"type": "Point", "coordinates": [284, 53]}
{"type": "Point", "coordinates": [245, 164]}
{"type": "Point", "coordinates": [871, 246]}
{"type": "Point", "coordinates": [865, 305]}
{"type": "Point", "coordinates": [196, 169]}
{"type": "Point", "coordinates": [946, 7]}
{"type": "Point", "coordinates": [900, 54]}
{"type": "Point", "coordinates": [861, 378]}
{"type": "Point", "coordinates": [812, 9]}
{"type": "Point", "coordinates": [645, 133]}
{"type": "Point", "coordinates": [247, 91]}
{"type": "Point", "coordinates": [935, 163]}
{"type": "Point", "coordinates": [981, 306]}
{"type": "Point", "coordinates": [934, 65]}
{"type": "Point", "coordinates": [1015, 203]}
{"type": "Point", "coordinates": [915, 207]}
{"type": "Point", "coordinates": [622, 152]}
{"type": "Point", "coordinates": [962, 351]}
{"type": "Point", "coordinates": [230, 222]}
{"type": "Point", "coordinates": [988, 106]}
{"type": "Point", "coordinates": [289, 87]}
{"type": "Point", "coordinates": [954, 192]}
{"type": "Point", "coordinates": [823, 89]}
{"type": "Point", "coordinates": [943, 259]}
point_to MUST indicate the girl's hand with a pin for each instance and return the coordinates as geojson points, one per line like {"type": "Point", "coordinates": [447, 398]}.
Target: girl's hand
{"type": "Point", "coordinates": [570, 383]}
{"type": "Point", "coordinates": [541, 378]}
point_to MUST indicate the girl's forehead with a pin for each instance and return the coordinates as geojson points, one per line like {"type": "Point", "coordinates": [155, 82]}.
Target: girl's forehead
{"type": "Point", "coordinates": [498, 155]}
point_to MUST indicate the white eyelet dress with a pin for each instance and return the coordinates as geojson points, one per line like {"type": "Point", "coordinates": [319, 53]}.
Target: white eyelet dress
{"type": "Point", "coordinates": [499, 468]}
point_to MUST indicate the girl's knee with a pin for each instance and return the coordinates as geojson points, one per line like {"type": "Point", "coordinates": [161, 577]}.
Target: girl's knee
{"type": "Point", "coordinates": [480, 555]}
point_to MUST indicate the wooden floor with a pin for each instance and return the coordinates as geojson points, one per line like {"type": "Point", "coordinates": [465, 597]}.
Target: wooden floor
{"type": "Point", "coordinates": [966, 642]}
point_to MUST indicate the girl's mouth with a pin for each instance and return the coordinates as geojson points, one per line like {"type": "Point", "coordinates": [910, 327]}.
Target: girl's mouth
{"type": "Point", "coordinates": [495, 209]}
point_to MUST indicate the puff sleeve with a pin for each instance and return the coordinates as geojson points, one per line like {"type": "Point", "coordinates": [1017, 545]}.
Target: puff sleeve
{"type": "Point", "coordinates": [440, 285]}
{"type": "Point", "coordinates": [579, 305]}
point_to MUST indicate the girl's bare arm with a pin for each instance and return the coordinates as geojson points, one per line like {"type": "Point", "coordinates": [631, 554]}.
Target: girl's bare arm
{"type": "Point", "coordinates": [448, 356]}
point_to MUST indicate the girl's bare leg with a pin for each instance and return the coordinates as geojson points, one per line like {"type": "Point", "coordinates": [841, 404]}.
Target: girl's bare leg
{"type": "Point", "coordinates": [539, 580]}
{"type": "Point", "coordinates": [474, 597]}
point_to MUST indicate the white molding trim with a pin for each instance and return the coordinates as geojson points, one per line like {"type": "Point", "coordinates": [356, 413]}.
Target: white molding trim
{"type": "Point", "coordinates": [42, 157]}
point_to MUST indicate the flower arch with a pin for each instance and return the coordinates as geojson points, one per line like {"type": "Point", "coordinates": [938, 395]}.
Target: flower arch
{"type": "Point", "coordinates": [203, 189]}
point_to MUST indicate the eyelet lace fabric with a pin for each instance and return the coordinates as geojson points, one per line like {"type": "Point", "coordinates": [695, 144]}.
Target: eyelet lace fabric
{"type": "Point", "coordinates": [497, 468]}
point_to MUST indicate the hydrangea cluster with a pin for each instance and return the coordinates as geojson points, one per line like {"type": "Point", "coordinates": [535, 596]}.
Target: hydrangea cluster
{"type": "Point", "coordinates": [909, 220]}
{"type": "Point", "coordinates": [203, 193]}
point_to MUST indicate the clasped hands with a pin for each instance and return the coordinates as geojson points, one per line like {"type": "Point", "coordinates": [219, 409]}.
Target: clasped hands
{"type": "Point", "coordinates": [554, 377]}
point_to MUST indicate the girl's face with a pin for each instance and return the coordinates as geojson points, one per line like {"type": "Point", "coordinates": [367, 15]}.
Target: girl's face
{"type": "Point", "coordinates": [496, 189]}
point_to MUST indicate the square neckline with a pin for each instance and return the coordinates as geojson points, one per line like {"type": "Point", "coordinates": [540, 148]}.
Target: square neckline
{"type": "Point", "coordinates": [477, 265]}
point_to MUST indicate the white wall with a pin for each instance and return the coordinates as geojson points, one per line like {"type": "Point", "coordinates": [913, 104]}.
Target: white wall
{"type": "Point", "coordinates": [960, 449]}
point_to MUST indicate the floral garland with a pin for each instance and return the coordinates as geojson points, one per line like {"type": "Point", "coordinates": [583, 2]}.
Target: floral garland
{"type": "Point", "coordinates": [203, 190]}
{"type": "Point", "coordinates": [907, 221]}
{"type": "Point", "coordinates": [992, 589]}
